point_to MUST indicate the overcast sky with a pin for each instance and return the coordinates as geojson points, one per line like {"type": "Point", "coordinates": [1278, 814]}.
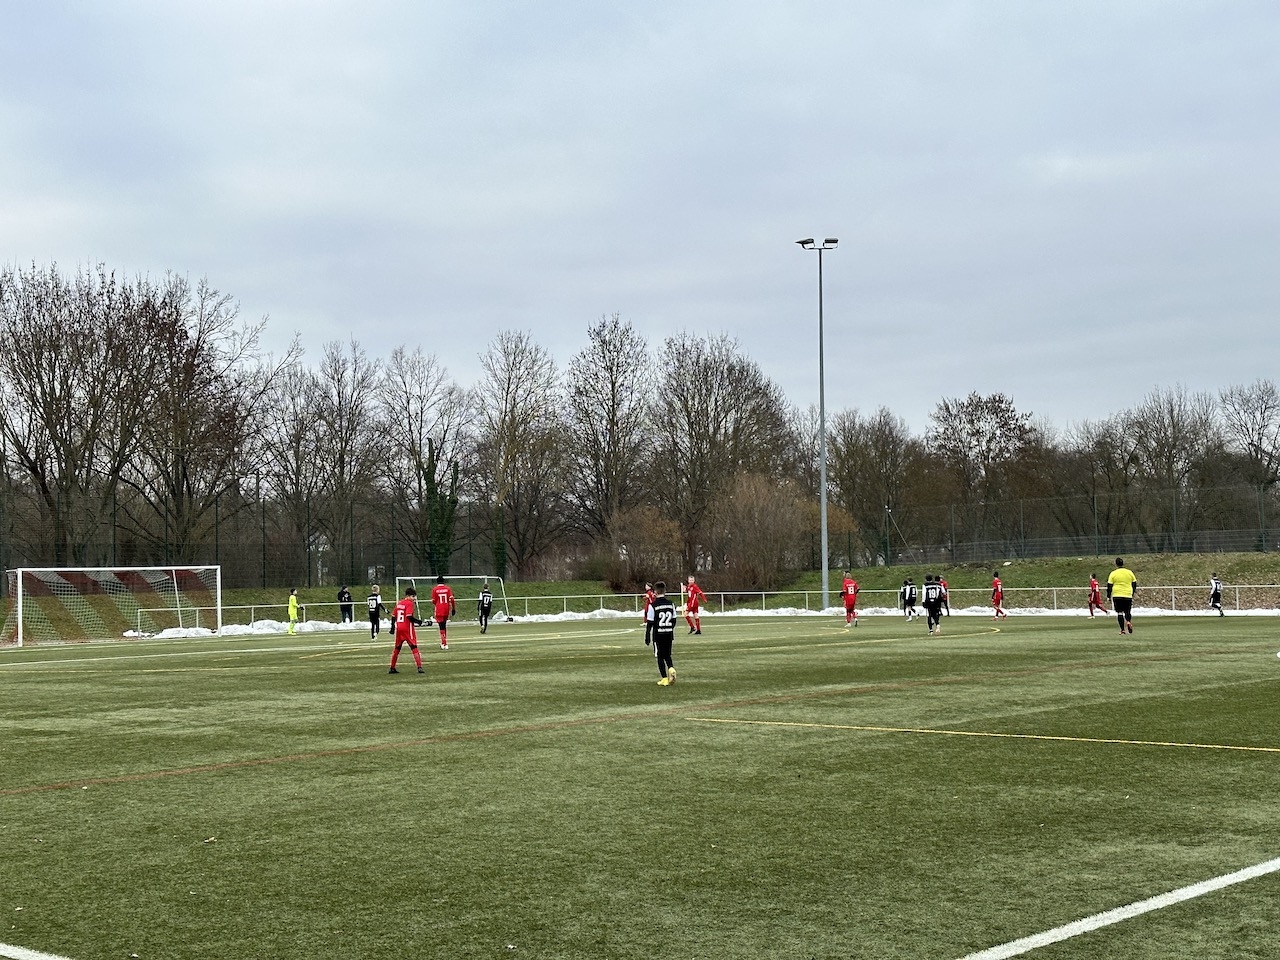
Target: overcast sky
{"type": "Point", "coordinates": [1072, 203]}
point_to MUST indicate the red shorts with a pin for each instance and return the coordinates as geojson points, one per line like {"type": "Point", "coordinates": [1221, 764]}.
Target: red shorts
{"type": "Point", "coordinates": [441, 614]}
{"type": "Point", "coordinates": [850, 602]}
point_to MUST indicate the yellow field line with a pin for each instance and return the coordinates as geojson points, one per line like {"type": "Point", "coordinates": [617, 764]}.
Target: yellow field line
{"type": "Point", "coordinates": [981, 733]}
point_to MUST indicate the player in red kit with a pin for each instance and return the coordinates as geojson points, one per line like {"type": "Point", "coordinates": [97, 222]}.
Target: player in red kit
{"type": "Point", "coordinates": [849, 590]}
{"type": "Point", "coordinates": [444, 607]}
{"type": "Point", "coordinates": [1095, 596]}
{"type": "Point", "coordinates": [404, 620]}
{"type": "Point", "coordinates": [649, 597]}
{"type": "Point", "coordinates": [997, 597]}
{"type": "Point", "coordinates": [692, 604]}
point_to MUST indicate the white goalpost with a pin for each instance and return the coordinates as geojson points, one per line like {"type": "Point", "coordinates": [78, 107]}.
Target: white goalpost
{"type": "Point", "coordinates": [466, 591]}
{"type": "Point", "coordinates": [69, 604]}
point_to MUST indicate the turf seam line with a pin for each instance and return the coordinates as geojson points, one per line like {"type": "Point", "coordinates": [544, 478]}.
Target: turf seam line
{"type": "Point", "coordinates": [1087, 925]}
{"type": "Point", "coordinates": [935, 731]}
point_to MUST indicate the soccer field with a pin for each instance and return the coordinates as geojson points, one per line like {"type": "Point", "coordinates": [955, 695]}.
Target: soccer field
{"type": "Point", "coordinates": [802, 791]}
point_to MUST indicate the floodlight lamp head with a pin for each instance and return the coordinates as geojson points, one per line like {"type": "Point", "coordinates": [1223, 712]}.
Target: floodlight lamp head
{"type": "Point", "coordinates": [830, 242]}
{"type": "Point", "coordinates": [807, 244]}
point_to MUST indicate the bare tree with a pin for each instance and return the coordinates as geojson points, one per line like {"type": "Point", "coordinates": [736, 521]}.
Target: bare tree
{"type": "Point", "coordinates": [79, 358]}
{"type": "Point", "coordinates": [1179, 448]}
{"type": "Point", "coordinates": [758, 525]}
{"type": "Point", "coordinates": [610, 388]}
{"type": "Point", "coordinates": [1097, 480]}
{"type": "Point", "coordinates": [430, 420]}
{"type": "Point", "coordinates": [521, 457]}
{"type": "Point", "coordinates": [352, 448]}
{"type": "Point", "coordinates": [646, 545]}
{"type": "Point", "coordinates": [1251, 423]}
{"type": "Point", "coordinates": [288, 467]}
{"type": "Point", "coordinates": [978, 438]}
{"type": "Point", "coordinates": [716, 414]}
{"type": "Point", "coordinates": [207, 409]}
{"type": "Point", "coordinates": [874, 463]}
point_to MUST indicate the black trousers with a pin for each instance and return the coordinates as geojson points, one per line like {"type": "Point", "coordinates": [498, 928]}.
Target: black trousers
{"type": "Point", "coordinates": [662, 643]}
{"type": "Point", "coordinates": [934, 612]}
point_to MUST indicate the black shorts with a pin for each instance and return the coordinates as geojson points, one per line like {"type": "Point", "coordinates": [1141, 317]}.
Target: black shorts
{"type": "Point", "coordinates": [1122, 605]}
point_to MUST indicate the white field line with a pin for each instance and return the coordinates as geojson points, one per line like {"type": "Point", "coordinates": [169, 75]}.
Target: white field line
{"type": "Point", "coordinates": [22, 953]}
{"type": "Point", "coordinates": [1018, 947]}
{"type": "Point", "coordinates": [939, 732]}
{"type": "Point", "coordinates": [380, 645]}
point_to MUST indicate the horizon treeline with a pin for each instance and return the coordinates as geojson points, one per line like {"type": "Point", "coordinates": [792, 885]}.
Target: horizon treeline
{"type": "Point", "coordinates": [144, 424]}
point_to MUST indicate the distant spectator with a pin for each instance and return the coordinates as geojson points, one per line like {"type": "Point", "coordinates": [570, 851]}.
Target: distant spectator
{"type": "Point", "coordinates": [345, 606]}
{"type": "Point", "coordinates": [293, 609]}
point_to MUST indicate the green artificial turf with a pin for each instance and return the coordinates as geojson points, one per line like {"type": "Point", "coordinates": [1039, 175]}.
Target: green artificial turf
{"type": "Point", "coordinates": [802, 791]}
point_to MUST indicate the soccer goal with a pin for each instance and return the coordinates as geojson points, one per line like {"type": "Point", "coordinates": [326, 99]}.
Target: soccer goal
{"type": "Point", "coordinates": [68, 604]}
{"type": "Point", "coordinates": [466, 591]}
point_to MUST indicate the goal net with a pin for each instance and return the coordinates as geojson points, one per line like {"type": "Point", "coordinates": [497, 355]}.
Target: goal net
{"type": "Point", "coordinates": [68, 604]}
{"type": "Point", "coordinates": [466, 591]}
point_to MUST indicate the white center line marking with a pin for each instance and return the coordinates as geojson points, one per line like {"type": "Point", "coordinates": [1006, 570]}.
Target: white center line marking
{"type": "Point", "coordinates": [1089, 924]}
{"type": "Point", "coordinates": [22, 953]}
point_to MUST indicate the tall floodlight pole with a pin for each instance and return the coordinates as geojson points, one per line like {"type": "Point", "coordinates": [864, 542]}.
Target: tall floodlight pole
{"type": "Point", "coordinates": [828, 244]}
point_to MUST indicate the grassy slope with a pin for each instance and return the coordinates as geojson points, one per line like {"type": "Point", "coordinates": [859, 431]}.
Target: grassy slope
{"type": "Point", "coordinates": [1181, 569]}
{"type": "Point", "coordinates": [1170, 569]}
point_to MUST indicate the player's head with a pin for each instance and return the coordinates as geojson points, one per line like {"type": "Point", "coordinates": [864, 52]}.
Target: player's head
{"type": "Point", "coordinates": [375, 589]}
{"type": "Point", "coordinates": [293, 591]}
{"type": "Point", "coordinates": [485, 585]}
{"type": "Point", "coordinates": [691, 578]}
{"type": "Point", "coordinates": [660, 588]}
{"type": "Point", "coordinates": [410, 592]}
{"type": "Point", "coordinates": [1119, 561]}
{"type": "Point", "coordinates": [440, 578]}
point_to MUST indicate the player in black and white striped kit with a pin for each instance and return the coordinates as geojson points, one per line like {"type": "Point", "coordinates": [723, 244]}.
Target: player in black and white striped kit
{"type": "Point", "coordinates": [1215, 595]}
{"type": "Point", "coordinates": [376, 609]}
{"type": "Point", "coordinates": [484, 606]}
{"type": "Point", "coordinates": [661, 615]}
{"type": "Point", "coordinates": [907, 595]}
{"type": "Point", "coordinates": [933, 603]}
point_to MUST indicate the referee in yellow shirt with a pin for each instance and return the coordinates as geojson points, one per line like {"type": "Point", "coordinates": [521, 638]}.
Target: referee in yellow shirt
{"type": "Point", "coordinates": [1122, 587]}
